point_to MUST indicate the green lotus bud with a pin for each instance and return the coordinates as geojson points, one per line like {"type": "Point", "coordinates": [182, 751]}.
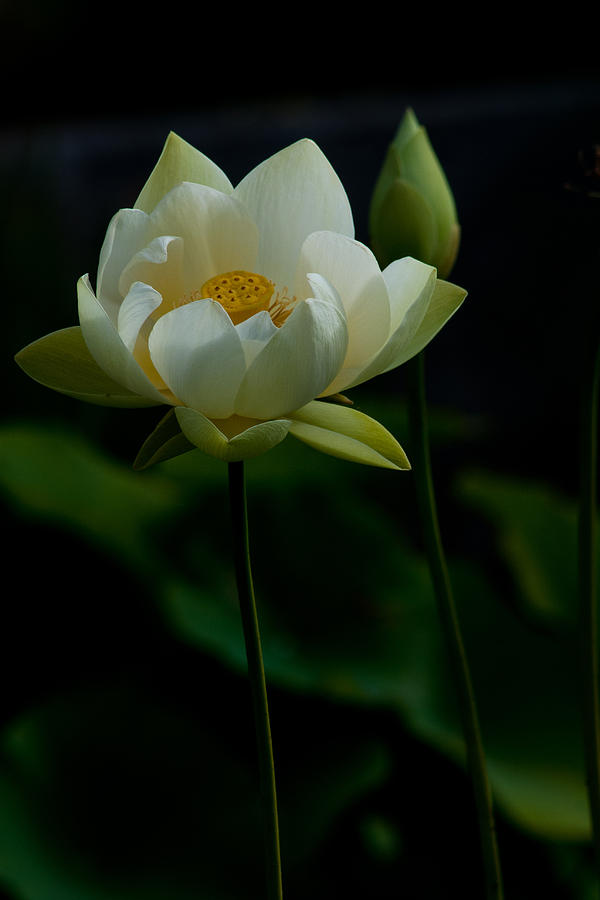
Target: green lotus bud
{"type": "Point", "coordinates": [412, 209]}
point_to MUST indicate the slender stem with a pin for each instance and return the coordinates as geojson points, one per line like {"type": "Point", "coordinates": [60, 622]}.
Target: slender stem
{"type": "Point", "coordinates": [451, 626]}
{"type": "Point", "coordinates": [588, 589]}
{"type": "Point", "coordinates": [256, 674]}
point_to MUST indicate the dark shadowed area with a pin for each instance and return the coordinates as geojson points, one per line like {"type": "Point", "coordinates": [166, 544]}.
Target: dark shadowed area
{"type": "Point", "coordinates": [127, 765]}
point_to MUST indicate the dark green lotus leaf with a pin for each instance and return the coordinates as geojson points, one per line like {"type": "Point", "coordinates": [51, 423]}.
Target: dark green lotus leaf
{"type": "Point", "coordinates": [120, 792]}
{"type": "Point", "coordinates": [536, 533]}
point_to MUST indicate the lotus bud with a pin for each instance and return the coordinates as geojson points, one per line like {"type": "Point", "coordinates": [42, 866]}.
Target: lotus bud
{"type": "Point", "coordinates": [412, 209]}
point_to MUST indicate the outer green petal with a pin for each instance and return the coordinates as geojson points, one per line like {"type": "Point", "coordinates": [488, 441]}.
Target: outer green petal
{"type": "Point", "coordinates": [347, 433]}
{"type": "Point", "coordinates": [61, 361]}
{"type": "Point", "coordinates": [254, 441]}
{"type": "Point", "coordinates": [165, 442]}
{"type": "Point", "coordinates": [178, 162]}
{"type": "Point", "coordinates": [446, 300]}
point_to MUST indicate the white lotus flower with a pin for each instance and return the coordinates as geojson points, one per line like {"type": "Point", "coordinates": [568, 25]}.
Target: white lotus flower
{"type": "Point", "coordinates": [238, 307]}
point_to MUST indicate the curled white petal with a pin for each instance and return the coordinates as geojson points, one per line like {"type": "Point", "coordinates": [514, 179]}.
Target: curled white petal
{"type": "Point", "coordinates": [410, 285]}
{"type": "Point", "coordinates": [140, 302]}
{"type": "Point", "coordinates": [107, 348]}
{"type": "Point", "coordinates": [159, 264]}
{"type": "Point", "coordinates": [218, 232]}
{"type": "Point", "coordinates": [126, 234]}
{"type": "Point", "coordinates": [197, 351]}
{"type": "Point", "coordinates": [297, 363]}
{"type": "Point", "coordinates": [254, 334]}
{"type": "Point", "coordinates": [413, 285]}
{"type": "Point", "coordinates": [352, 268]}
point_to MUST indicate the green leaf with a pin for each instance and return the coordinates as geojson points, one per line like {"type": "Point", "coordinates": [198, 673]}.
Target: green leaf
{"type": "Point", "coordinates": [58, 477]}
{"type": "Point", "coordinates": [536, 534]}
{"type": "Point", "coordinates": [124, 792]}
{"type": "Point", "coordinates": [61, 361]}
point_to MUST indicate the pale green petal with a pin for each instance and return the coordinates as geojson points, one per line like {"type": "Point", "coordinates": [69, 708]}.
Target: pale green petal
{"type": "Point", "coordinates": [299, 361]}
{"type": "Point", "coordinates": [290, 195]}
{"type": "Point", "coordinates": [61, 361]}
{"type": "Point", "coordinates": [107, 348]}
{"type": "Point", "coordinates": [178, 162]}
{"type": "Point", "coordinates": [217, 231]}
{"type": "Point", "coordinates": [348, 434]}
{"type": "Point", "coordinates": [197, 351]}
{"type": "Point", "coordinates": [446, 300]}
{"type": "Point", "coordinates": [253, 441]}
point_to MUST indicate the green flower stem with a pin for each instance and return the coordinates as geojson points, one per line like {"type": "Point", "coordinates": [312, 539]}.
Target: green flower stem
{"type": "Point", "coordinates": [588, 589]}
{"type": "Point", "coordinates": [450, 624]}
{"type": "Point", "coordinates": [256, 674]}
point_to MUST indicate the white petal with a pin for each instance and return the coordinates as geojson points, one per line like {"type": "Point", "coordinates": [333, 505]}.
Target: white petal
{"type": "Point", "coordinates": [297, 363]}
{"type": "Point", "coordinates": [446, 299]}
{"type": "Point", "coordinates": [290, 195]}
{"type": "Point", "coordinates": [219, 236]}
{"type": "Point", "coordinates": [178, 162]}
{"type": "Point", "coordinates": [254, 334]}
{"type": "Point", "coordinates": [140, 302]}
{"type": "Point", "coordinates": [106, 346]}
{"type": "Point", "coordinates": [159, 264]}
{"type": "Point", "coordinates": [353, 270]}
{"type": "Point", "coordinates": [126, 235]}
{"type": "Point", "coordinates": [197, 351]}
{"type": "Point", "coordinates": [412, 284]}
{"type": "Point", "coordinates": [409, 284]}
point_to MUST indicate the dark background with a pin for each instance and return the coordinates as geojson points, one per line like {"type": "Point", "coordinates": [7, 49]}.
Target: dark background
{"type": "Point", "coordinates": [89, 95]}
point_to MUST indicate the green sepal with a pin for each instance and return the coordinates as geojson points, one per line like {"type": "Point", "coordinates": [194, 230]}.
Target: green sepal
{"type": "Point", "coordinates": [166, 442]}
{"type": "Point", "coordinates": [61, 361]}
{"type": "Point", "coordinates": [347, 433]}
{"type": "Point", "coordinates": [252, 440]}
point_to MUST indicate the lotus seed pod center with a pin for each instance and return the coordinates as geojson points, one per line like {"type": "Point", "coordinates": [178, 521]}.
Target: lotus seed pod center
{"type": "Point", "coordinates": [241, 294]}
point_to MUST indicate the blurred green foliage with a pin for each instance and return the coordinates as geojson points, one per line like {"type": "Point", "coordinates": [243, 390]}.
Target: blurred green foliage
{"type": "Point", "coordinates": [134, 776]}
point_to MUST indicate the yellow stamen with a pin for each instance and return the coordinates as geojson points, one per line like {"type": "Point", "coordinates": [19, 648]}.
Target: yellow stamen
{"type": "Point", "coordinates": [241, 294]}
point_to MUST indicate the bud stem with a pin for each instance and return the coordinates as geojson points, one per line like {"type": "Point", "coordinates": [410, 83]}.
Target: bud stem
{"type": "Point", "coordinates": [588, 614]}
{"type": "Point", "coordinates": [420, 458]}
